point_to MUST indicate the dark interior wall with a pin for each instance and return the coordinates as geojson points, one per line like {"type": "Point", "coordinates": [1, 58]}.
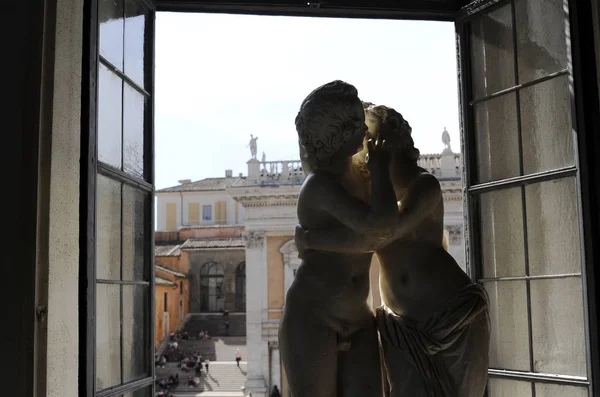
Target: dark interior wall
{"type": "Point", "coordinates": [21, 42]}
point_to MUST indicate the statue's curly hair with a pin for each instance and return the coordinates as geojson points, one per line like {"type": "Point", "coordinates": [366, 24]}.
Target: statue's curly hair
{"type": "Point", "coordinates": [328, 117]}
{"type": "Point", "coordinates": [396, 131]}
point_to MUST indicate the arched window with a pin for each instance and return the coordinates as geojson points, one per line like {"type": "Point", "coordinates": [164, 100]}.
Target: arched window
{"type": "Point", "coordinates": [240, 288]}
{"type": "Point", "coordinates": [212, 298]}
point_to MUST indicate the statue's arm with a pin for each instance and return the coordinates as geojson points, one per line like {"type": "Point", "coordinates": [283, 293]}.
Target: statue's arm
{"type": "Point", "coordinates": [342, 240]}
{"type": "Point", "coordinates": [379, 219]}
{"type": "Point", "coordinates": [423, 197]}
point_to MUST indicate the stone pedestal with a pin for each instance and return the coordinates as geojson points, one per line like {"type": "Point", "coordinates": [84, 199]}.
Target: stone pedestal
{"type": "Point", "coordinates": [448, 164]}
{"type": "Point", "coordinates": [253, 169]}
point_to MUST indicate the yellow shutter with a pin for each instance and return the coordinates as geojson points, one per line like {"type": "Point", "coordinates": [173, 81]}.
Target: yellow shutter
{"type": "Point", "coordinates": [221, 212]}
{"type": "Point", "coordinates": [194, 213]}
{"type": "Point", "coordinates": [171, 216]}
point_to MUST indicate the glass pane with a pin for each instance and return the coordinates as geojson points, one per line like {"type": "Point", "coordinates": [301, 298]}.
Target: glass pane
{"type": "Point", "coordinates": [550, 390]}
{"type": "Point", "coordinates": [509, 342]}
{"type": "Point", "coordinates": [492, 57]}
{"type": "Point", "coordinates": [135, 24]}
{"type": "Point", "coordinates": [136, 346]}
{"type": "Point", "coordinates": [134, 215]}
{"type": "Point", "coordinates": [542, 44]}
{"type": "Point", "coordinates": [133, 132]}
{"type": "Point", "coordinates": [110, 14]}
{"type": "Point", "coordinates": [109, 117]}
{"type": "Point", "coordinates": [508, 388]}
{"type": "Point", "coordinates": [497, 138]}
{"type": "Point", "coordinates": [108, 336]}
{"type": "Point", "coordinates": [553, 227]}
{"type": "Point", "coordinates": [502, 248]}
{"type": "Point", "coordinates": [557, 322]}
{"type": "Point", "coordinates": [144, 392]}
{"type": "Point", "coordinates": [546, 126]}
{"type": "Point", "coordinates": [108, 229]}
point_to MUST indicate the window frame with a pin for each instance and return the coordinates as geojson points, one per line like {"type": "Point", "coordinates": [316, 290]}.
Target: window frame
{"type": "Point", "coordinates": [582, 105]}
{"type": "Point", "coordinates": [208, 207]}
{"type": "Point", "coordinates": [586, 112]}
{"type": "Point", "coordinates": [90, 169]}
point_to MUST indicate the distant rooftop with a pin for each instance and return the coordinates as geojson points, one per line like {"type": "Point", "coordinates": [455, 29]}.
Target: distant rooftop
{"type": "Point", "coordinates": [167, 249]}
{"type": "Point", "coordinates": [203, 185]}
{"type": "Point", "coordinates": [214, 243]}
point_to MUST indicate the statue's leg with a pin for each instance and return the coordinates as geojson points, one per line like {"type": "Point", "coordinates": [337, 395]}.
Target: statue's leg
{"type": "Point", "coordinates": [360, 366]}
{"type": "Point", "coordinates": [309, 354]}
{"type": "Point", "coordinates": [468, 359]}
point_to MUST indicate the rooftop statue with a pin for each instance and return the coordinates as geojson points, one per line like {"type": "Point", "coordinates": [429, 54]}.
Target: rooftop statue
{"type": "Point", "coordinates": [327, 337]}
{"type": "Point", "coordinates": [434, 324]}
{"type": "Point", "coordinates": [252, 146]}
{"type": "Point", "coordinates": [446, 140]}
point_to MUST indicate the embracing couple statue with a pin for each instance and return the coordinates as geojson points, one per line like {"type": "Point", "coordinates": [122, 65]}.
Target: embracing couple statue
{"type": "Point", "coordinates": [364, 193]}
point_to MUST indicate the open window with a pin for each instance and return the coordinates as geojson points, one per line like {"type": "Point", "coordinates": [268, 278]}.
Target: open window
{"type": "Point", "coordinates": [118, 293]}
{"type": "Point", "coordinates": [522, 192]}
{"type": "Point", "coordinates": [525, 213]}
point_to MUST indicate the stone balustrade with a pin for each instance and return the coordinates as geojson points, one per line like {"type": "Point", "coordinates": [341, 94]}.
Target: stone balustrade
{"type": "Point", "coordinates": [284, 170]}
{"type": "Point", "coordinates": [444, 165]}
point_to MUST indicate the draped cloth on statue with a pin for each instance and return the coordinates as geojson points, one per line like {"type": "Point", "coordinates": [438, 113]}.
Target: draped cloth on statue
{"type": "Point", "coordinates": [445, 356]}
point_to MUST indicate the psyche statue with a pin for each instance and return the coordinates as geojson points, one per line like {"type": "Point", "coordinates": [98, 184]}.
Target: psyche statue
{"type": "Point", "coordinates": [328, 338]}
{"type": "Point", "coordinates": [252, 145]}
{"type": "Point", "coordinates": [434, 324]}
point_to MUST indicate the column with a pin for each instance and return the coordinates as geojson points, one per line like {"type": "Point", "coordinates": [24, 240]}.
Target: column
{"type": "Point", "coordinates": [275, 366]}
{"type": "Point", "coordinates": [256, 285]}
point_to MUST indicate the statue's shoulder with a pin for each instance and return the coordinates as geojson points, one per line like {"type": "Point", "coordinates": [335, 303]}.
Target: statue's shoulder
{"type": "Point", "coordinates": [317, 183]}
{"type": "Point", "coordinates": [426, 183]}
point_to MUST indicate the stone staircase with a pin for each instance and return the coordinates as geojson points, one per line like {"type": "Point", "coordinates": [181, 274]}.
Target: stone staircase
{"type": "Point", "coordinates": [214, 323]}
{"type": "Point", "coordinates": [215, 349]}
{"type": "Point", "coordinates": [223, 379]}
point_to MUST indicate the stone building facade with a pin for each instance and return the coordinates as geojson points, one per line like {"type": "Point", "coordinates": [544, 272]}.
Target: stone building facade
{"type": "Point", "coordinates": [213, 259]}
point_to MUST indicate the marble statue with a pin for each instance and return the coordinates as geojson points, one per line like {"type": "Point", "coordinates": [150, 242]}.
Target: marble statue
{"type": "Point", "coordinates": [327, 336]}
{"type": "Point", "coordinates": [264, 157]}
{"type": "Point", "coordinates": [252, 145]}
{"type": "Point", "coordinates": [446, 140]}
{"type": "Point", "coordinates": [434, 324]}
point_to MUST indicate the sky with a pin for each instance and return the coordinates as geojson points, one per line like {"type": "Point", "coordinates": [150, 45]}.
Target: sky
{"type": "Point", "coordinates": [220, 78]}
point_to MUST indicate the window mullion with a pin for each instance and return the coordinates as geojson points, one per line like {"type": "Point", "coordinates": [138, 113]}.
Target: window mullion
{"type": "Point", "coordinates": [121, 287]}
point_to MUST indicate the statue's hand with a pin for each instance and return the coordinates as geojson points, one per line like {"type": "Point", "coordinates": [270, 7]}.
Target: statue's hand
{"type": "Point", "coordinates": [378, 156]}
{"type": "Point", "coordinates": [300, 238]}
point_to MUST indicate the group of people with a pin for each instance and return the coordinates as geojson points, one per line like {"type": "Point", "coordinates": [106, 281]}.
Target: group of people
{"type": "Point", "coordinates": [163, 386]}
{"type": "Point", "coordinates": [178, 336]}
{"type": "Point", "coordinates": [194, 362]}
{"type": "Point", "coordinates": [203, 335]}
{"type": "Point", "coordinates": [365, 194]}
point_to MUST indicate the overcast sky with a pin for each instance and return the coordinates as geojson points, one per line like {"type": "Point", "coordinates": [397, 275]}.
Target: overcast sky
{"type": "Point", "coordinates": [220, 78]}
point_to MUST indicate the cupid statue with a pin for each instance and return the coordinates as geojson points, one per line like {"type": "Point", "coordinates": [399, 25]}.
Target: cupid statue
{"type": "Point", "coordinates": [434, 326]}
{"type": "Point", "coordinates": [327, 337]}
{"type": "Point", "coordinates": [252, 145]}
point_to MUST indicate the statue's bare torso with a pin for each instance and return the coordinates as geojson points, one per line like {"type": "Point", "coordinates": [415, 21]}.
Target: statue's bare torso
{"type": "Point", "coordinates": [340, 290]}
{"type": "Point", "coordinates": [417, 273]}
